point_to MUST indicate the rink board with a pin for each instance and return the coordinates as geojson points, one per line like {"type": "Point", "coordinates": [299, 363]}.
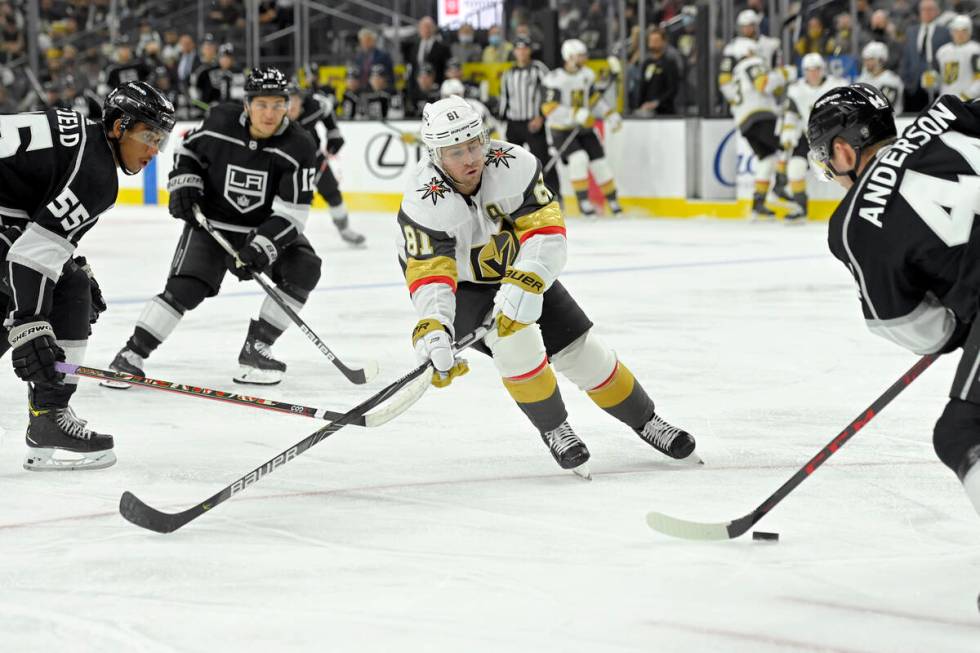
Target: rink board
{"type": "Point", "coordinates": [663, 168]}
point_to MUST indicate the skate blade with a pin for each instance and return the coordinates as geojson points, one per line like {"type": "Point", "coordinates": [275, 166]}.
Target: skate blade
{"type": "Point", "coordinates": [692, 459]}
{"type": "Point", "coordinates": [254, 376]}
{"type": "Point", "coordinates": [583, 471]}
{"type": "Point", "coordinates": [116, 385]}
{"type": "Point", "coordinates": [50, 459]}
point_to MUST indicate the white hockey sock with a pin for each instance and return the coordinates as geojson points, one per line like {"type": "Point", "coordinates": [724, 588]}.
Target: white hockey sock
{"type": "Point", "coordinates": [971, 483]}
{"type": "Point", "coordinates": [74, 354]}
{"type": "Point", "coordinates": [271, 313]}
{"type": "Point", "coordinates": [338, 212]}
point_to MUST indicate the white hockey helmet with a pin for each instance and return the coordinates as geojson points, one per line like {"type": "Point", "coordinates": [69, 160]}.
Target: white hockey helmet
{"type": "Point", "coordinates": [742, 47]}
{"type": "Point", "coordinates": [961, 22]}
{"type": "Point", "coordinates": [875, 50]}
{"type": "Point", "coordinates": [813, 60]}
{"type": "Point", "coordinates": [748, 17]}
{"type": "Point", "coordinates": [572, 48]}
{"type": "Point", "coordinates": [448, 122]}
{"type": "Point", "coordinates": [452, 87]}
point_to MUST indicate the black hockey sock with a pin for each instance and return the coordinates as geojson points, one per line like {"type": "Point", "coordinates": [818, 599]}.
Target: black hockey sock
{"type": "Point", "coordinates": [142, 343]}
{"type": "Point", "coordinates": [53, 395]}
{"type": "Point", "coordinates": [264, 331]}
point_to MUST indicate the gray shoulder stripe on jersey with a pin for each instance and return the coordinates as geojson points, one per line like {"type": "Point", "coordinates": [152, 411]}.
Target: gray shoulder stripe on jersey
{"type": "Point", "coordinates": [312, 117]}
{"type": "Point", "coordinates": [14, 213]}
{"type": "Point", "coordinates": [183, 151]}
{"type": "Point", "coordinates": [40, 296]}
{"type": "Point", "coordinates": [219, 136]}
{"type": "Point", "coordinates": [276, 150]}
{"type": "Point", "coordinates": [41, 250]}
{"type": "Point", "coordinates": [923, 331]}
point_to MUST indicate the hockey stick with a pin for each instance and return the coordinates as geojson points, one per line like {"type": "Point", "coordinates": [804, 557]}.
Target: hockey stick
{"type": "Point", "coordinates": [371, 420]}
{"type": "Point", "coordinates": [354, 375]}
{"type": "Point", "coordinates": [145, 516]}
{"type": "Point", "coordinates": [691, 530]}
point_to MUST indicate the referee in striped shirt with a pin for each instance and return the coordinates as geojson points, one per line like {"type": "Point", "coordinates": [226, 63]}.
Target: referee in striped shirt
{"type": "Point", "coordinates": [521, 94]}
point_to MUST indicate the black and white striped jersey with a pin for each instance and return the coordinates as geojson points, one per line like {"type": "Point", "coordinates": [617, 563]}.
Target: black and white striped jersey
{"type": "Point", "coordinates": [57, 176]}
{"type": "Point", "coordinates": [907, 230]}
{"type": "Point", "coordinates": [522, 92]}
{"type": "Point", "coordinates": [248, 181]}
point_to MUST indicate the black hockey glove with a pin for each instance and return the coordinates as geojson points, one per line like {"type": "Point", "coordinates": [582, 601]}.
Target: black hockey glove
{"type": "Point", "coordinates": [257, 254]}
{"type": "Point", "coordinates": [334, 144]}
{"type": "Point", "coordinates": [98, 301]}
{"type": "Point", "coordinates": [35, 351]}
{"type": "Point", "coordinates": [185, 191]}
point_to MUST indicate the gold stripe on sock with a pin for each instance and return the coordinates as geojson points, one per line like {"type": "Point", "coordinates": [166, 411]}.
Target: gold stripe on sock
{"type": "Point", "coordinates": [537, 385]}
{"type": "Point", "coordinates": [614, 390]}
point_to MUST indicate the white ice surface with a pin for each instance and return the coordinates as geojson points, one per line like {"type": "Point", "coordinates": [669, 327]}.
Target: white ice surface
{"type": "Point", "coordinates": [451, 529]}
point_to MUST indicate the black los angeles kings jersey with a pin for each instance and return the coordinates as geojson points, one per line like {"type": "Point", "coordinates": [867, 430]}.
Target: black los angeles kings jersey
{"type": "Point", "coordinates": [907, 230]}
{"type": "Point", "coordinates": [248, 181]}
{"type": "Point", "coordinates": [316, 109]}
{"type": "Point", "coordinates": [57, 176]}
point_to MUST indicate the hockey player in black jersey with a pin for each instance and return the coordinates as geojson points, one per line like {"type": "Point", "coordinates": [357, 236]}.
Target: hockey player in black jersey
{"type": "Point", "coordinates": [251, 172]}
{"type": "Point", "coordinates": [907, 231]}
{"type": "Point", "coordinates": [57, 177]}
{"type": "Point", "coordinates": [309, 110]}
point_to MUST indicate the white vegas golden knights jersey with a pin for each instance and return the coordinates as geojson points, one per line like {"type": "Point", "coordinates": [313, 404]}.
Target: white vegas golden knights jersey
{"type": "Point", "coordinates": [445, 238]}
{"type": "Point", "coordinates": [749, 86]}
{"type": "Point", "coordinates": [890, 85]}
{"type": "Point", "coordinates": [566, 93]}
{"type": "Point", "coordinates": [959, 70]}
{"type": "Point", "coordinates": [800, 98]}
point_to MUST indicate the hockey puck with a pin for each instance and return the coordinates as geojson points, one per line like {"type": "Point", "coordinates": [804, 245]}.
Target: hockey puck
{"type": "Point", "coordinates": [762, 536]}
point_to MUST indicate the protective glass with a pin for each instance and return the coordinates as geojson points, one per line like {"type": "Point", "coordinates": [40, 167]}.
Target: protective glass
{"type": "Point", "coordinates": [819, 157]}
{"type": "Point", "coordinates": [151, 137]}
{"type": "Point", "coordinates": [455, 154]}
{"type": "Point", "coordinates": [270, 105]}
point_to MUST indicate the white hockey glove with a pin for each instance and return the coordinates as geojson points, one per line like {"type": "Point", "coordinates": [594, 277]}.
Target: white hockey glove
{"type": "Point", "coordinates": [519, 301]}
{"type": "Point", "coordinates": [614, 122]}
{"type": "Point", "coordinates": [432, 342]}
{"type": "Point", "coordinates": [929, 79]}
{"type": "Point", "coordinates": [584, 117]}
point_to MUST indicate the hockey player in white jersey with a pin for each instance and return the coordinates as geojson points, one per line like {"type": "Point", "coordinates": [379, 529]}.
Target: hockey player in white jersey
{"type": "Point", "coordinates": [958, 62]}
{"type": "Point", "coordinates": [571, 105]}
{"type": "Point", "coordinates": [456, 87]}
{"type": "Point", "coordinates": [480, 234]}
{"type": "Point", "coordinates": [748, 22]}
{"type": "Point", "coordinates": [750, 86]}
{"type": "Point", "coordinates": [800, 97]}
{"type": "Point", "coordinates": [874, 55]}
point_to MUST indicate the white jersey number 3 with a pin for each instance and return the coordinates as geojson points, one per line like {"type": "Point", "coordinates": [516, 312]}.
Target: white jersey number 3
{"type": "Point", "coordinates": [947, 206]}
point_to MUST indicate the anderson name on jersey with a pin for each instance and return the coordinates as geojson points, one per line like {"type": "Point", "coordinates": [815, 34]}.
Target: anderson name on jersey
{"type": "Point", "coordinates": [907, 229]}
{"type": "Point", "coordinates": [247, 180]}
{"type": "Point", "coordinates": [445, 238]}
{"type": "Point", "coordinates": [57, 176]}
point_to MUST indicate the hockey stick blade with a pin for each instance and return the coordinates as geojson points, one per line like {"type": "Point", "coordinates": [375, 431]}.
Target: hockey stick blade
{"type": "Point", "coordinates": [356, 375]}
{"type": "Point", "coordinates": [691, 530]}
{"type": "Point", "coordinates": [144, 516]}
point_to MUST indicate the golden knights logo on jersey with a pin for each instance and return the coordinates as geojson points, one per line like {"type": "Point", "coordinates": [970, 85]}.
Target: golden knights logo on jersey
{"type": "Point", "coordinates": [500, 155]}
{"type": "Point", "coordinates": [490, 261]}
{"type": "Point", "coordinates": [245, 188]}
{"type": "Point", "coordinates": [435, 189]}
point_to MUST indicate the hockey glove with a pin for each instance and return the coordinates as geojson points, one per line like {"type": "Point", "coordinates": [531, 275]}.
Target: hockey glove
{"type": "Point", "coordinates": [334, 144]}
{"type": "Point", "coordinates": [614, 122]}
{"type": "Point", "coordinates": [584, 117]}
{"type": "Point", "coordinates": [35, 351]}
{"type": "Point", "coordinates": [258, 253]}
{"type": "Point", "coordinates": [929, 79]}
{"type": "Point", "coordinates": [98, 301]}
{"type": "Point", "coordinates": [432, 342]}
{"type": "Point", "coordinates": [518, 302]}
{"type": "Point", "coordinates": [185, 191]}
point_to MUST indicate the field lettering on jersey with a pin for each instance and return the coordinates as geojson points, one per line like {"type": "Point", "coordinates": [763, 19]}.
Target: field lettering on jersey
{"type": "Point", "coordinates": [69, 127]}
{"type": "Point", "coordinates": [884, 176]}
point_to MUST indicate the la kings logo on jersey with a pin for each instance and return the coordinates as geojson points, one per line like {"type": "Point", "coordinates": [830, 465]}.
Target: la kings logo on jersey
{"type": "Point", "coordinates": [245, 188]}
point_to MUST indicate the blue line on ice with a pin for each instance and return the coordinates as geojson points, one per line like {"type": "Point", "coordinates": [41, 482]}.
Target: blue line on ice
{"type": "Point", "coordinates": [566, 273]}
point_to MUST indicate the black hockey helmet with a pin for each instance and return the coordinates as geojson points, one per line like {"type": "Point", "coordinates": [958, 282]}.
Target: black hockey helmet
{"type": "Point", "coordinates": [266, 81]}
{"type": "Point", "coordinates": [859, 114]}
{"type": "Point", "coordinates": [135, 102]}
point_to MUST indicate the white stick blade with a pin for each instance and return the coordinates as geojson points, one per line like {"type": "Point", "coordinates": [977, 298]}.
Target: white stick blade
{"type": "Point", "coordinates": [686, 530]}
{"type": "Point", "coordinates": [399, 403]}
{"type": "Point", "coordinates": [370, 370]}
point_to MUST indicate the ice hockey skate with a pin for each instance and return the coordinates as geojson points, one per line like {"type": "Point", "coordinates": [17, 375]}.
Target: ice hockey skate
{"type": "Point", "coordinates": [257, 365]}
{"type": "Point", "coordinates": [761, 212]}
{"type": "Point", "coordinates": [126, 362]}
{"type": "Point", "coordinates": [57, 440]}
{"type": "Point", "coordinates": [568, 450]}
{"type": "Point", "coordinates": [351, 237]}
{"type": "Point", "coordinates": [669, 440]}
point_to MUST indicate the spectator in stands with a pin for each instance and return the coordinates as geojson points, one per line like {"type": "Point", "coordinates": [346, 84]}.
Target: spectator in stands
{"type": "Point", "coordinates": [188, 60]}
{"type": "Point", "coordinates": [921, 44]}
{"type": "Point", "coordinates": [882, 29]}
{"type": "Point", "coordinates": [569, 20]}
{"type": "Point", "coordinates": [660, 79]}
{"type": "Point", "coordinates": [843, 35]}
{"type": "Point", "coordinates": [125, 69]}
{"type": "Point", "coordinates": [351, 104]}
{"type": "Point", "coordinates": [171, 47]}
{"type": "Point", "coordinates": [424, 90]}
{"type": "Point", "coordinates": [147, 34]}
{"type": "Point", "coordinates": [380, 101]}
{"type": "Point", "coordinates": [6, 104]}
{"type": "Point", "coordinates": [759, 7]}
{"type": "Point", "coordinates": [594, 31]}
{"type": "Point", "coordinates": [369, 55]}
{"type": "Point", "coordinates": [226, 17]}
{"type": "Point", "coordinates": [454, 70]}
{"type": "Point", "coordinates": [498, 50]}
{"type": "Point", "coordinates": [201, 87]}
{"type": "Point", "coordinates": [466, 49]}
{"type": "Point", "coordinates": [817, 39]}
{"type": "Point", "coordinates": [11, 33]}
{"type": "Point", "coordinates": [427, 48]}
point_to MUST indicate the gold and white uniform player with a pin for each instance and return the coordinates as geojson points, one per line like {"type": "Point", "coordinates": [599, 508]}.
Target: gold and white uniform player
{"type": "Point", "coordinates": [874, 55]}
{"type": "Point", "coordinates": [573, 101]}
{"type": "Point", "coordinates": [456, 87]}
{"type": "Point", "coordinates": [751, 88]}
{"type": "Point", "coordinates": [800, 98]}
{"type": "Point", "coordinates": [958, 62]}
{"type": "Point", "coordinates": [480, 235]}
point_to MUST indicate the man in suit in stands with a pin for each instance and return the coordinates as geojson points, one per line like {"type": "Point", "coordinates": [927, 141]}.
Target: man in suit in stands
{"type": "Point", "coordinates": [920, 54]}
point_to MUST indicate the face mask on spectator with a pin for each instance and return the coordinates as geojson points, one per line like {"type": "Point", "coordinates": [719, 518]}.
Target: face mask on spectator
{"type": "Point", "coordinates": [494, 39]}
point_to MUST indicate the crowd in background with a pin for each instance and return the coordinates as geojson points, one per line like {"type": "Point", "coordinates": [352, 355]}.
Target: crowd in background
{"type": "Point", "coordinates": [80, 60]}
